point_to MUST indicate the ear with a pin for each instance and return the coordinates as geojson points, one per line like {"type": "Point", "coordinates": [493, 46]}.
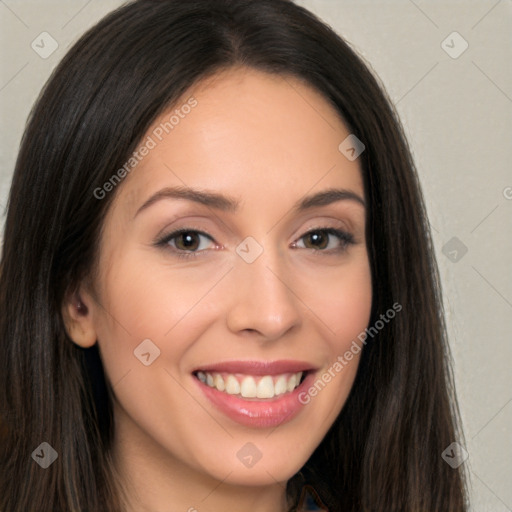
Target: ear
{"type": "Point", "coordinates": [77, 315]}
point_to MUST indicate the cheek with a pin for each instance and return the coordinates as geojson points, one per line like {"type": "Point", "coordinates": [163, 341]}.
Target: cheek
{"type": "Point", "coordinates": [349, 312]}
{"type": "Point", "coordinates": [151, 299]}
{"type": "Point", "coordinates": [340, 298]}
{"type": "Point", "coordinates": [159, 302]}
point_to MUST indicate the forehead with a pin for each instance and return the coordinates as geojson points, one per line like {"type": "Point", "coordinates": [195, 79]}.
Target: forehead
{"type": "Point", "coordinates": [247, 132]}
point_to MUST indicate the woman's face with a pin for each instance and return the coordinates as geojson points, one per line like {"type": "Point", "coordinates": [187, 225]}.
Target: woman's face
{"type": "Point", "coordinates": [204, 334]}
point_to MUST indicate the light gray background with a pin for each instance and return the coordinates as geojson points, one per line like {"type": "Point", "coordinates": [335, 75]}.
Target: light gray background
{"type": "Point", "coordinates": [458, 116]}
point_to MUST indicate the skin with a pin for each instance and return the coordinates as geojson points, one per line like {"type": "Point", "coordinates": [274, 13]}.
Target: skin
{"type": "Point", "coordinates": [267, 141]}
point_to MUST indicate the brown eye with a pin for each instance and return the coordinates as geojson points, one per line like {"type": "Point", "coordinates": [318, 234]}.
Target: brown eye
{"type": "Point", "coordinates": [327, 240]}
{"type": "Point", "coordinates": [187, 241]}
{"type": "Point", "coordinates": [317, 239]}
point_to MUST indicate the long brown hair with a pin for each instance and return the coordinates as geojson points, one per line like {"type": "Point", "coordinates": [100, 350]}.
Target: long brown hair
{"type": "Point", "coordinates": [383, 453]}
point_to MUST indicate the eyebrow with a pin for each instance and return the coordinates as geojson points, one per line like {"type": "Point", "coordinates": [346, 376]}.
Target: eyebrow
{"type": "Point", "coordinates": [231, 204]}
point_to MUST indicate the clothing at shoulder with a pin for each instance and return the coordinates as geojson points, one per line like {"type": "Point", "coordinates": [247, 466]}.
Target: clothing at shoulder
{"type": "Point", "coordinates": [310, 501]}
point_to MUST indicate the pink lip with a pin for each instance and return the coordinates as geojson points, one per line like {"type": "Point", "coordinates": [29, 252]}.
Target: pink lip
{"type": "Point", "coordinates": [257, 367]}
{"type": "Point", "coordinates": [258, 413]}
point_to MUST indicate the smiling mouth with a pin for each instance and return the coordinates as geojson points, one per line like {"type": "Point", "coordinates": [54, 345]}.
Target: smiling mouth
{"type": "Point", "coordinates": [252, 386]}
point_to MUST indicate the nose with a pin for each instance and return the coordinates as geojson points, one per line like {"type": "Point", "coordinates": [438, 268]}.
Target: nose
{"type": "Point", "coordinates": [263, 300]}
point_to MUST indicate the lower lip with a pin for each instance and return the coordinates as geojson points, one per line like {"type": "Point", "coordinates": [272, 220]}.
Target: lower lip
{"type": "Point", "coordinates": [264, 413]}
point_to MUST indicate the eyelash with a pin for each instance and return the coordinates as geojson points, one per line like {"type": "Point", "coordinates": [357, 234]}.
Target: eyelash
{"type": "Point", "coordinates": [344, 237]}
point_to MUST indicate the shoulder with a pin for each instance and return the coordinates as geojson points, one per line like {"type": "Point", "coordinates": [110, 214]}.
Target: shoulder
{"type": "Point", "coordinates": [310, 501]}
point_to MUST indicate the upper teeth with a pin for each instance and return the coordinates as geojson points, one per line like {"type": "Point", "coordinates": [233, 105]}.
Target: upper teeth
{"type": "Point", "coordinates": [248, 386]}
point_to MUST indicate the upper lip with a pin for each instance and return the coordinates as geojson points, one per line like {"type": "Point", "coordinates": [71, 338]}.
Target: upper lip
{"type": "Point", "coordinates": [257, 367]}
